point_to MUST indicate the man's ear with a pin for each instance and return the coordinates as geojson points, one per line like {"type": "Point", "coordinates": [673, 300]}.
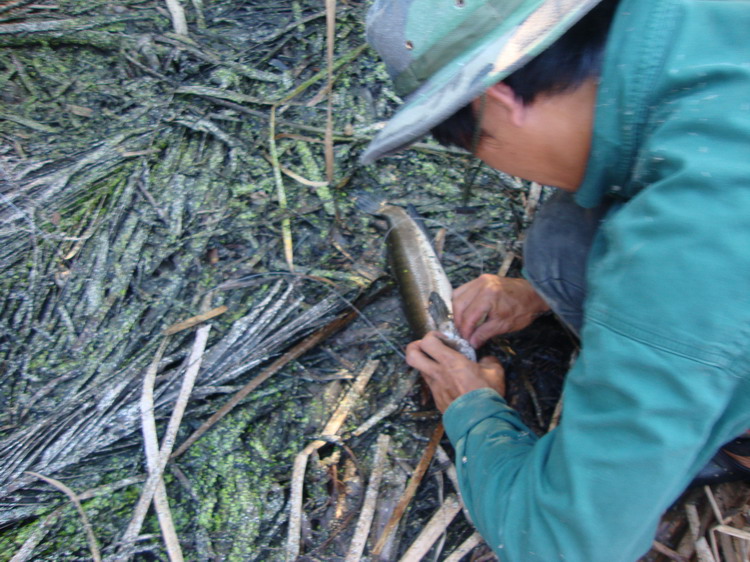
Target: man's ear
{"type": "Point", "coordinates": [504, 95]}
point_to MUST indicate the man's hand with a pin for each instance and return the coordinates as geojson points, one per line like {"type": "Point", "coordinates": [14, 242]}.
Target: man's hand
{"type": "Point", "coordinates": [491, 305]}
{"type": "Point", "coordinates": [448, 373]}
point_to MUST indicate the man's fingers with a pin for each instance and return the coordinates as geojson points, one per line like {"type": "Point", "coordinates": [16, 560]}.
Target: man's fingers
{"type": "Point", "coordinates": [474, 315]}
{"type": "Point", "coordinates": [434, 358]}
{"type": "Point", "coordinates": [434, 346]}
{"type": "Point", "coordinates": [468, 304]}
{"type": "Point", "coordinates": [486, 331]}
{"type": "Point", "coordinates": [417, 358]}
{"type": "Point", "coordinates": [461, 306]}
{"type": "Point", "coordinates": [465, 288]}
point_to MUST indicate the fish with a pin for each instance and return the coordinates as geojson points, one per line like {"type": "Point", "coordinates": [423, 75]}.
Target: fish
{"type": "Point", "coordinates": [426, 291]}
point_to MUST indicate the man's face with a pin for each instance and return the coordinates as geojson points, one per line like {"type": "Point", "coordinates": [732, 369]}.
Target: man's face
{"type": "Point", "coordinates": [547, 141]}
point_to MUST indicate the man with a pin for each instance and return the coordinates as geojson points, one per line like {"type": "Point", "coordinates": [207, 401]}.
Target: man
{"type": "Point", "coordinates": [639, 111]}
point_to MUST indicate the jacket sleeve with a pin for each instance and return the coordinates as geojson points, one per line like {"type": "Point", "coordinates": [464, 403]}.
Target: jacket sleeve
{"type": "Point", "coordinates": [595, 487]}
{"type": "Point", "coordinates": [663, 378]}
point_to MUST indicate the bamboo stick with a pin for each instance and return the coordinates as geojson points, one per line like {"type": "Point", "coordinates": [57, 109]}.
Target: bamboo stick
{"type": "Point", "coordinates": [435, 527]}
{"type": "Point", "coordinates": [411, 489]}
{"type": "Point", "coordinates": [361, 532]}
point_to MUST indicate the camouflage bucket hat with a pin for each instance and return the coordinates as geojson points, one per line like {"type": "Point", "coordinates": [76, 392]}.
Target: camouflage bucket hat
{"type": "Point", "coordinates": [442, 54]}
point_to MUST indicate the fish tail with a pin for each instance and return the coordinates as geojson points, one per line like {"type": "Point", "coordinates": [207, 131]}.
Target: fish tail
{"type": "Point", "coordinates": [369, 203]}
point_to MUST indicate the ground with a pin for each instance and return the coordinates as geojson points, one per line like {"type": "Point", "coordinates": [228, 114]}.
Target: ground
{"type": "Point", "coordinates": [151, 175]}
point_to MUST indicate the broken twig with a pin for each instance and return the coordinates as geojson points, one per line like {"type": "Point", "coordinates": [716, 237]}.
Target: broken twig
{"type": "Point", "coordinates": [286, 224]}
{"type": "Point", "coordinates": [361, 532]}
{"type": "Point", "coordinates": [194, 321]}
{"type": "Point", "coordinates": [300, 462]}
{"type": "Point", "coordinates": [151, 446]}
{"type": "Point", "coordinates": [179, 24]}
{"type": "Point", "coordinates": [435, 527]}
{"type": "Point", "coordinates": [154, 477]}
{"type": "Point", "coordinates": [411, 488]}
{"type": "Point", "coordinates": [90, 537]}
{"type": "Point", "coordinates": [465, 548]}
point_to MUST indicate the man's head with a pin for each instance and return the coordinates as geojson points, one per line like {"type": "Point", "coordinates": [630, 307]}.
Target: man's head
{"type": "Point", "coordinates": [444, 54]}
{"type": "Point", "coordinates": [566, 64]}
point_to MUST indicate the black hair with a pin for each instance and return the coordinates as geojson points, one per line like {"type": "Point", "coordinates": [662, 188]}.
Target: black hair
{"type": "Point", "coordinates": [563, 66]}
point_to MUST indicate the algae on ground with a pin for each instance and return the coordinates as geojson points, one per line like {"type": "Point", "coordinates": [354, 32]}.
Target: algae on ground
{"type": "Point", "coordinates": [126, 204]}
{"type": "Point", "coordinates": [240, 487]}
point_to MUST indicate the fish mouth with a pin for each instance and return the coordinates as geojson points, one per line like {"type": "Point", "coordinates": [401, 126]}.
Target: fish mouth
{"type": "Point", "coordinates": [443, 319]}
{"type": "Point", "coordinates": [439, 309]}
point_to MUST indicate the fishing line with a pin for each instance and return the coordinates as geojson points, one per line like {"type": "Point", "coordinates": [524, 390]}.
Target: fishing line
{"type": "Point", "coordinates": [453, 232]}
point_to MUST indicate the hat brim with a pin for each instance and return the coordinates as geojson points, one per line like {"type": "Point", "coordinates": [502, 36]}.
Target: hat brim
{"type": "Point", "coordinates": [465, 78]}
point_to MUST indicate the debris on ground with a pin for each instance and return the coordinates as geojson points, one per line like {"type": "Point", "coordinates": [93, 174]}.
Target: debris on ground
{"type": "Point", "coordinates": [201, 350]}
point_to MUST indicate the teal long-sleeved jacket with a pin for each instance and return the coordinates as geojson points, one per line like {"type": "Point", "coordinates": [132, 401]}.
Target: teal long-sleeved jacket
{"type": "Point", "coordinates": [663, 378]}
